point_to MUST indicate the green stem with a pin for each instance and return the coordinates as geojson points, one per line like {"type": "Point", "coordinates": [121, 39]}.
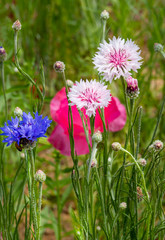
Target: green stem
{"type": "Point", "coordinates": [92, 157]}
{"type": "Point", "coordinates": [58, 198]}
{"type": "Point", "coordinates": [145, 190]}
{"type": "Point", "coordinates": [100, 190]}
{"type": "Point", "coordinates": [3, 88]}
{"type": "Point", "coordinates": [24, 73]}
{"type": "Point", "coordinates": [39, 210]}
{"type": "Point", "coordinates": [104, 27]}
{"type": "Point", "coordinates": [33, 196]}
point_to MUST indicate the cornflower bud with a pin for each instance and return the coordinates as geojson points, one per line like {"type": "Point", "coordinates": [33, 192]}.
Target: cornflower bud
{"type": "Point", "coordinates": [2, 54]}
{"type": "Point", "coordinates": [104, 15]}
{"type": "Point", "coordinates": [16, 25]}
{"type": "Point", "coordinates": [142, 162]}
{"type": "Point", "coordinates": [116, 146]}
{"type": "Point", "coordinates": [97, 137]}
{"type": "Point", "coordinates": [18, 112]}
{"type": "Point", "coordinates": [132, 90]}
{"type": "Point", "coordinates": [69, 83]}
{"type": "Point", "coordinates": [59, 66]}
{"type": "Point", "coordinates": [40, 176]}
{"type": "Point", "coordinates": [158, 47]}
{"type": "Point", "coordinates": [157, 145]}
{"type": "Point", "coordinates": [123, 205]}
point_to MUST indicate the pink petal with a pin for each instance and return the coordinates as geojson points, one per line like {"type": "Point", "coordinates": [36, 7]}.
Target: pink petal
{"type": "Point", "coordinates": [60, 140]}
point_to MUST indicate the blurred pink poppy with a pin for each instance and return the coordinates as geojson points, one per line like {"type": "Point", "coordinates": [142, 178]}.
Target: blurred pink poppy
{"type": "Point", "coordinates": [115, 116]}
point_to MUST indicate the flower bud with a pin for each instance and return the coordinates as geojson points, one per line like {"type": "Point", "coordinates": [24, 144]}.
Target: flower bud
{"type": "Point", "coordinates": [132, 90]}
{"type": "Point", "coordinates": [40, 176]}
{"type": "Point", "coordinates": [116, 146]}
{"type": "Point", "coordinates": [158, 47]}
{"type": "Point", "coordinates": [2, 54]}
{"type": "Point", "coordinates": [69, 83]}
{"type": "Point", "coordinates": [104, 15]}
{"type": "Point", "coordinates": [123, 205]}
{"type": "Point", "coordinates": [97, 137]}
{"type": "Point", "coordinates": [16, 25]}
{"type": "Point", "coordinates": [157, 145]}
{"type": "Point", "coordinates": [18, 112]}
{"type": "Point", "coordinates": [142, 162]}
{"type": "Point", "coordinates": [59, 66]}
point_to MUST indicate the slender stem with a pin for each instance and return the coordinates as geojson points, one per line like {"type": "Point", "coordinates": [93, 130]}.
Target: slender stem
{"type": "Point", "coordinates": [3, 88]}
{"type": "Point", "coordinates": [145, 190]}
{"type": "Point", "coordinates": [104, 27]}
{"type": "Point", "coordinates": [39, 210]}
{"type": "Point", "coordinates": [100, 190]}
{"type": "Point", "coordinates": [57, 171]}
{"type": "Point", "coordinates": [33, 197]}
{"type": "Point", "coordinates": [92, 157]}
{"type": "Point", "coordinates": [21, 71]}
{"type": "Point", "coordinates": [125, 96]}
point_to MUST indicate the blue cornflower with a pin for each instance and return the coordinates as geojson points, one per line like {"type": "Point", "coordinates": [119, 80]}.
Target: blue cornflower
{"type": "Point", "coordinates": [26, 131]}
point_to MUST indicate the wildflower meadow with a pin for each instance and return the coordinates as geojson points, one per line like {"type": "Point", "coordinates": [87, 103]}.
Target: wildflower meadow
{"type": "Point", "coordinates": [82, 124]}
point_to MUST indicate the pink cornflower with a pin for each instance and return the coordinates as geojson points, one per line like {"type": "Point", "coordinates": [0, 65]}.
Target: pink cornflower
{"type": "Point", "coordinates": [117, 58]}
{"type": "Point", "coordinates": [89, 95]}
{"type": "Point", "coordinates": [115, 117]}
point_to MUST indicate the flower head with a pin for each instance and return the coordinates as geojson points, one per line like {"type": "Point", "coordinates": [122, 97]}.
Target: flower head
{"type": "Point", "coordinates": [17, 25]}
{"type": "Point", "coordinates": [157, 145]}
{"type": "Point", "coordinates": [18, 112]}
{"type": "Point", "coordinates": [123, 205]}
{"type": "Point", "coordinates": [40, 176]}
{"type": "Point", "coordinates": [115, 117]}
{"type": "Point", "coordinates": [116, 146]}
{"type": "Point", "coordinates": [2, 54]}
{"type": "Point", "coordinates": [117, 58]}
{"type": "Point", "coordinates": [158, 47]}
{"type": "Point", "coordinates": [142, 162]}
{"type": "Point", "coordinates": [132, 90]}
{"type": "Point", "coordinates": [26, 131]}
{"type": "Point", "coordinates": [89, 95]}
{"type": "Point", "coordinates": [59, 66]}
{"type": "Point", "coordinates": [104, 15]}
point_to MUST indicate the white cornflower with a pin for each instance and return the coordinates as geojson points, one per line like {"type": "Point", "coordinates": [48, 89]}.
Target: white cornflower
{"type": "Point", "coordinates": [117, 58]}
{"type": "Point", "coordinates": [90, 95]}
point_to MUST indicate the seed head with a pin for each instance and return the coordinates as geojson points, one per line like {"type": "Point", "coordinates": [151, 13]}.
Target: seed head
{"type": "Point", "coordinates": [97, 137]}
{"type": "Point", "coordinates": [18, 112]}
{"type": "Point", "coordinates": [123, 205]}
{"type": "Point", "coordinates": [104, 15]}
{"type": "Point", "coordinates": [132, 90]}
{"type": "Point", "coordinates": [142, 162]}
{"type": "Point", "coordinates": [40, 176]}
{"type": "Point", "coordinates": [17, 25]}
{"type": "Point", "coordinates": [59, 66]}
{"type": "Point", "coordinates": [2, 54]}
{"type": "Point", "coordinates": [116, 146]}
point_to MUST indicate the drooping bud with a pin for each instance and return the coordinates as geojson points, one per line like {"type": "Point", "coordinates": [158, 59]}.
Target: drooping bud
{"type": "Point", "coordinates": [158, 47]}
{"type": "Point", "coordinates": [18, 112]}
{"type": "Point", "coordinates": [142, 162]}
{"type": "Point", "coordinates": [16, 25]}
{"type": "Point", "coordinates": [97, 137]}
{"type": "Point", "coordinates": [40, 176]}
{"type": "Point", "coordinates": [116, 146]}
{"type": "Point", "coordinates": [104, 15]}
{"type": "Point", "coordinates": [59, 66]}
{"type": "Point", "coordinates": [69, 83]}
{"type": "Point", "coordinates": [132, 90]}
{"type": "Point", "coordinates": [2, 54]}
{"type": "Point", "coordinates": [123, 205]}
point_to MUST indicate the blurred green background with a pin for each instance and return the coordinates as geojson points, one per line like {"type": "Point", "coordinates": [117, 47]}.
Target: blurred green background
{"type": "Point", "coordinates": [70, 31]}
